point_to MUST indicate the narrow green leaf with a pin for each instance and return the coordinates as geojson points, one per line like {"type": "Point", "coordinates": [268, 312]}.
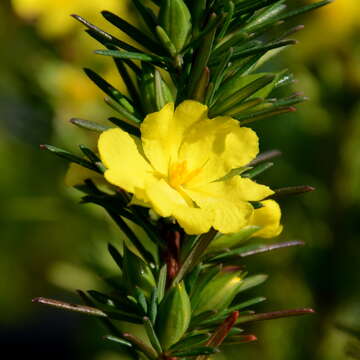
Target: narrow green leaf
{"type": "Point", "coordinates": [218, 77]}
{"type": "Point", "coordinates": [246, 304]}
{"type": "Point", "coordinates": [122, 111]}
{"type": "Point", "coordinates": [141, 346]}
{"type": "Point", "coordinates": [203, 317]}
{"type": "Point", "coordinates": [263, 114]}
{"type": "Point", "coordinates": [291, 100]}
{"type": "Point", "coordinates": [93, 158]}
{"type": "Point", "coordinates": [122, 315]}
{"type": "Point", "coordinates": [153, 305]}
{"type": "Point", "coordinates": [188, 243]}
{"type": "Point", "coordinates": [105, 320]}
{"type": "Point", "coordinates": [252, 281]}
{"type": "Point", "coordinates": [165, 40]}
{"type": "Point", "coordinates": [108, 203]}
{"type": "Point", "coordinates": [147, 255]}
{"type": "Point", "coordinates": [115, 254]}
{"type": "Point", "coordinates": [284, 78]}
{"type": "Point", "coordinates": [159, 95]}
{"type": "Point", "coordinates": [274, 315]}
{"type": "Point", "coordinates": [132, 31]}
{"type": "Point", "coordinates": [234, 172]}
{"type": "Point", "coordinates": [129, 128]}
{"type": "Point", "coordinates": [201, 59]}
{"type": "Point", "coordinates": [195, 255]}
{"type": "Point", "coordinates": [110, 90]}
{"type": "Point", "coordinates": [118, 340]}
{"type": "Point", "coordinates": [292, 190]}
{"type": "Point", "coordinates": [257, 170]}
{"type": "Point", "coordinates": [133, 56]}
{"type": "Point", "coordinates": [101, 298]}
{"type": "Point", "coordinates": [104, 37]}
{"type": "Point", "coordinates": [233, 39]}
{"type": "Point", "coordinates": [141, 299]}
{"type": "Point", "coordinates": [198, 41]}
{"type": "Point", "coordinates": [243, 106]}
{"type": "Point", "coordinates": [198, 13]}
{"type": "Point", "coordinates": [296, 12]}
{"type": "Point", "coordinates": [89, 154]}
{"type": "Point", "coordinates": [242, 94]}
{"type": "Point", "coordinates": [242, 53]}
{"type": "Point", "coordinates": [128, 81]}
{"type": "Point", "coordinates": [253, 249]}
{"type": "Point", "coordinates": [235, 72]}
{"type": "Point", "coordinates": [147, 15]}
{"type": "Point", "coordinates": [192, 278]}
{"type": "Point", "coordinates": [161, 285]}
{"type": "Point", "coordinates": [229, 16]}
{"type": "Point", "coordinates": [201, 283]}
{"type": "Point", "coordinates": [70, 307]}
{"type": "Point", "coordinates": [224, 241]}
{"type": "Point", "coordinates": [152, 335]}
{"type": "Point", "coordinates": [266, 248]}
{"type": "Point", "coordinates": [70, 157]}
{"type": "Point", "coordinates": [265, 156]}
{"type": "Point", "coordinates": [199, 94]}
{"type": "Point", "coordinates": [252, 5]}
{"type": "Point", "coordinates": [267, 15]}
{"type": "Point", "coordinates": [89, 125]}
{"type": "Point", "coordinates": [235, 331]}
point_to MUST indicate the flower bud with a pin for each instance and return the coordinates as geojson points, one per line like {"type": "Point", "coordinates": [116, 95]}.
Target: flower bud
{"type": "Point", "coordinates": [219, 292]}
{"type": "Point", "coordinates": [175, 19]}
{"type": "Point", "coordinates": [137, 273]}
{"type": "Point", "coordinates": [174, 316]}
{"type": "Point", "coordinates": [148, 89]}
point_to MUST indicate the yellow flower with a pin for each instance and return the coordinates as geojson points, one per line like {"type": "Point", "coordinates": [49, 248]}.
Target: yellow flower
{"type": "Point", "coordinates": [176, 166]}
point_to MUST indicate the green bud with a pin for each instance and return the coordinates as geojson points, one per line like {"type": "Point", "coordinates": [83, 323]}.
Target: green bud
{"type": "Point", "coordinates": [219, 292]}
{"type": "Point", "coordinates": [137, 273]}
{"type": "Point", "coordinates": [175, 19]}
{"type": "Point", "coordinates": [149, 90]}
{"type": "Point", "coordinates": [174, 316]}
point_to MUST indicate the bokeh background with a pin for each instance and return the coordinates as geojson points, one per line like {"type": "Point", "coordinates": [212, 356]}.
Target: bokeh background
{"type": "Point", "coordinates": [50, 245]}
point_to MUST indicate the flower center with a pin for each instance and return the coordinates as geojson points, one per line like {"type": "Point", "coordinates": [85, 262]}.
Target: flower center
{"type": "Point", "coordinates": [180, 175]}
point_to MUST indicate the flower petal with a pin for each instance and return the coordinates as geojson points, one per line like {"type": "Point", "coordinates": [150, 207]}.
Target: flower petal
{"type": "Point", "coordinates": [268, 217]}
{"type": "Point", "coordinates": [163, 198]}
{"type": "Point", "coordinates": [234, 189]}
{"type": "Point", "coordinates": [230, 215]}
{"type": "Point", "coordinates": [126, 167]}
{"type": "Point", "coordinates": [166, 201]}
{"type": "Point", "coordinates": [216, 146]}
{"type": "Point", "coordinates": [193, 220]}
{"type": "Point", "coordinates": [162, 132]}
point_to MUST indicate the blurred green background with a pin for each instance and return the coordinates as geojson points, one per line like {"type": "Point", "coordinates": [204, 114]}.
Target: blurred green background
{"type": "Point", "coordinates": [48, 240]}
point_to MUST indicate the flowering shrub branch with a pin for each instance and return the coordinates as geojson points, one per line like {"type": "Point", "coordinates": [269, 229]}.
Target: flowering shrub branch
{"type": "Point", "coordinates": [177, 163]}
